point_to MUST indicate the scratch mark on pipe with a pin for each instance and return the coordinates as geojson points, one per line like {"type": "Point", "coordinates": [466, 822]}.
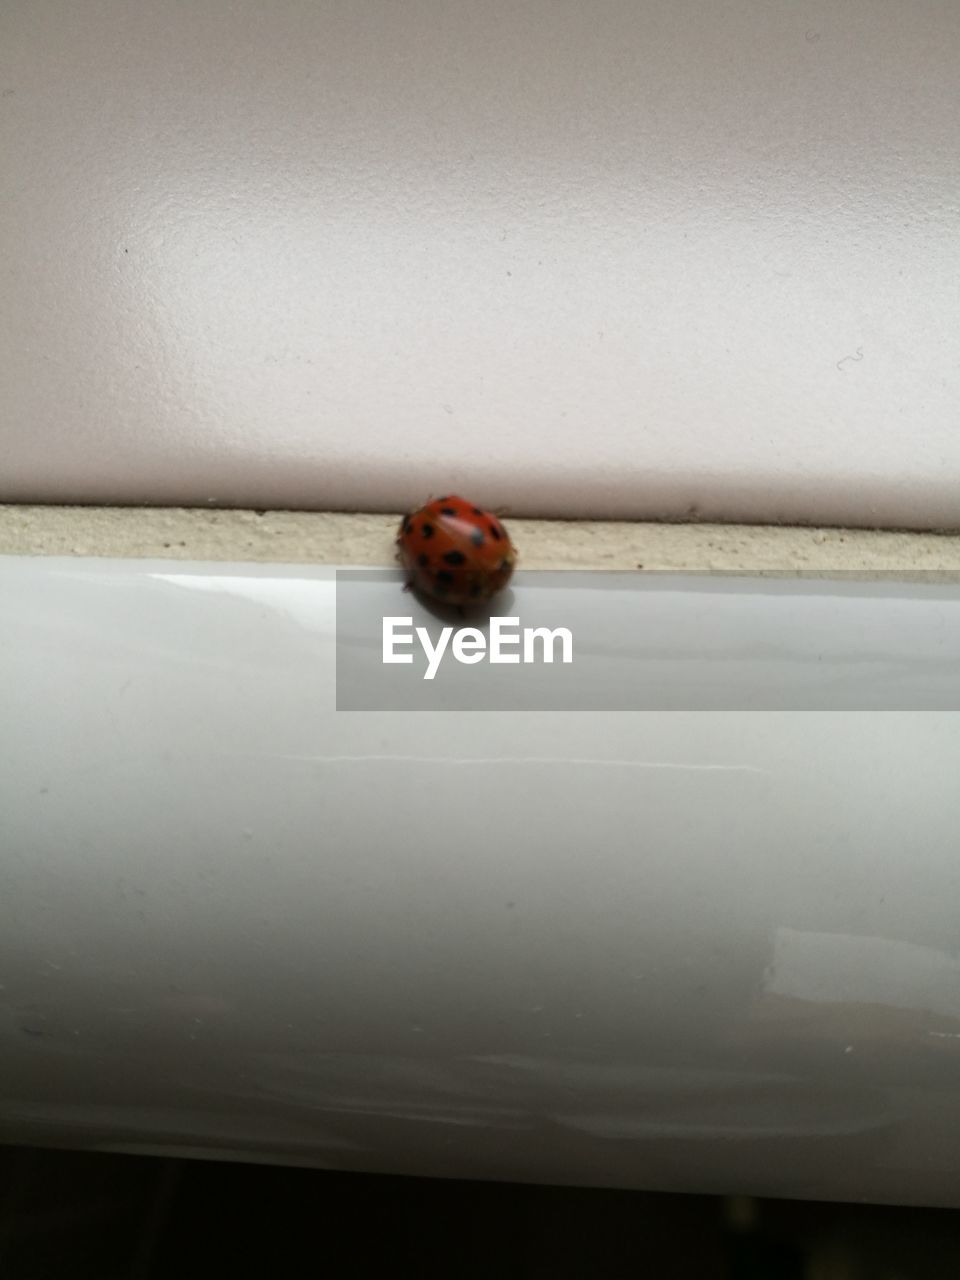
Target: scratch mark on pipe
{"type": "Point", "coordinates": [856, 359]}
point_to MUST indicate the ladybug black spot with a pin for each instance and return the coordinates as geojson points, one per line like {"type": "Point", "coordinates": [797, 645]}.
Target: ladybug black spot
{"type": "Point", "coordinates": [477, 537]}
{"type": "Point", "coordinates": [477, 511]}
{"type": "Point", "coordinates": [427, 530]}
{"type": "Point", "coordinates": [423, 561]}
{"type": "Point", "coordinates": [454, 557]}
{"type": "Point", "coordinates": [495, 531]}
{"type": "Point", "coordinates": [444, 578]}
{"type": "Point", "coordinates": [449, 511]}
{"type": "Point", "coordinates": [407, 528]}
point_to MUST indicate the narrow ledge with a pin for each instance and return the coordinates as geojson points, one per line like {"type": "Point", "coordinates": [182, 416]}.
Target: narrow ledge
{"type": "Point", "coordinates": [296, 537]}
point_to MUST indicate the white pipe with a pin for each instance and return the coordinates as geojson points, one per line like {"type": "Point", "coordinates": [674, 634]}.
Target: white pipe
{"type": "Point", "coordinates": [681, 950]}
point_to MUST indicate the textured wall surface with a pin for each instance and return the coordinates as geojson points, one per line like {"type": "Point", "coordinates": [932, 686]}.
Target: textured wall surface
{"type": "Point", "coordinates": [634, 258]}
{"type": "Point", "coordinates": [340, 538]}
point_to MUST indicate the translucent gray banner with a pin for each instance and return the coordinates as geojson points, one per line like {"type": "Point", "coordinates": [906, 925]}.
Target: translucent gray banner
{"type": "Point", "coordinates": [595, 641]}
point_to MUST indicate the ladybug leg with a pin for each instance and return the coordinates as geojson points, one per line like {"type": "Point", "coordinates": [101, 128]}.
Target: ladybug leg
{"type": "Point", "coordinates": [408, 586]}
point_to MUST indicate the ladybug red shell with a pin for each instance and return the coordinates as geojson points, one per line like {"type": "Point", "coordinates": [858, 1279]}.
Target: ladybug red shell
{"type": "Point", "coordinates": [455, 552]}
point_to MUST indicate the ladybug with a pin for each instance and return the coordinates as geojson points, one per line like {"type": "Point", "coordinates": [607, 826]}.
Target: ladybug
{"type": "Point", "coordinates": [455, 552]}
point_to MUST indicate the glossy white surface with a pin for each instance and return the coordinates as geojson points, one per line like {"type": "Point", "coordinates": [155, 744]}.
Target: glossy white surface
{"type": "Point", "coordinates": [630, 257]}
{"type": "Point", "coordinates": [710, 952]}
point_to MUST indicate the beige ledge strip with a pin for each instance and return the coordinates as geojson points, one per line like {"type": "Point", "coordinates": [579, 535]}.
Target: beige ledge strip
{"type": "Point", "coordinates": [337, 538]}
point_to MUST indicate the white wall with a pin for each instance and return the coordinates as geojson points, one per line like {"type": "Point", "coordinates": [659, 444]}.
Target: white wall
{"type": "Point", "coordinates": [626, 257]}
